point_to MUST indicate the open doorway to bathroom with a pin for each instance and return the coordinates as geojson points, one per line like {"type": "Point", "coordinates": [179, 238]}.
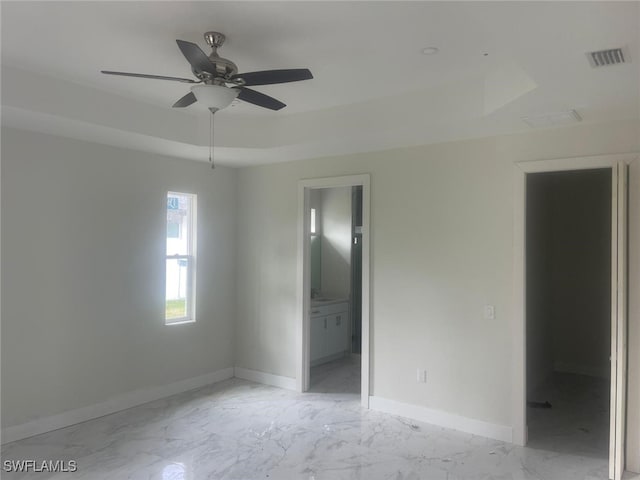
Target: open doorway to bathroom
{"type": "Point", "coordinates": [334, 285]}
{"type": "Point", "coordinates": [335, 246]}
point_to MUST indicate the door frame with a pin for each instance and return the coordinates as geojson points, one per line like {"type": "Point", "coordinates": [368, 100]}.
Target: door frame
{"type": "Point", "coordinates": [618, 164]}
{"type": "Point", "coordinates": [303, 302]}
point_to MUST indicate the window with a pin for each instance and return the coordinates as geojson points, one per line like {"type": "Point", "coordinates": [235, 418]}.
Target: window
{"type": "Point", "coordinates": [180, 263]}
{"type": "Point", "coordinates": [313, 221]}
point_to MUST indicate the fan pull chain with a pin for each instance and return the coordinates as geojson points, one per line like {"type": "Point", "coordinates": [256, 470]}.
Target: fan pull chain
{"type": "Point", "coordinates": [211, 140]}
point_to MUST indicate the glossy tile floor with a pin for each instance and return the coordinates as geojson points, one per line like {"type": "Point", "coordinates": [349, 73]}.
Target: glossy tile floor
{"type": "Point", "coordinates": [241, 430]}
{"type": "Point", "coordinates": [578, 422]}
{"type": "Point", "coordinates": [338, 376]}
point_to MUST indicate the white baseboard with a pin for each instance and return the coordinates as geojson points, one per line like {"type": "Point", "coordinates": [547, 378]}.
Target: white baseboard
{"type": "Point", "coordinates": [266, 378]}
{"type": "Point", "coordinates": [442, 419]}
{"type": "Point", "coordinates": [600, 372]}
{"type": "Point", "coordinates": [114, 404]}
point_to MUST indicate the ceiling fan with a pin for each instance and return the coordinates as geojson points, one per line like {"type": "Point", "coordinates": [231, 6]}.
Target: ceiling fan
{"type": "Point", "coordinates": [219, 82]}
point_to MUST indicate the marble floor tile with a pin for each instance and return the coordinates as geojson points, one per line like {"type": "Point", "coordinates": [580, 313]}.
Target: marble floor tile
{"type": "Point", "coordinates": [241, 430]}
{"type": "Point", "coordinates": [338, 376]}
{"type": "Point", "coordinates": [578, 421]}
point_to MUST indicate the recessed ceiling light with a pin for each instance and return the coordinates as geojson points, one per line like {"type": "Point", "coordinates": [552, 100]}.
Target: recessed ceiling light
{"type": "Point", "coordinates": [429, 50]}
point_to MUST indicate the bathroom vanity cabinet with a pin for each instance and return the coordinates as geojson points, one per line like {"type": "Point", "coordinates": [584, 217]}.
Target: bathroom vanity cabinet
{"type": "Point", "coordinates": [329, 331]}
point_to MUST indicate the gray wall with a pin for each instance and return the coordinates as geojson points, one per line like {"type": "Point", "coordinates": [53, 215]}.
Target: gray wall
{"type": "Point", "coordinates": [315, 199]}
{"type": "Point", "coordinates": [569, 273]}
{"type": "Point", "coordinates": [331, 249]}
{"type": "Point", "coordinates": [336, 242]}
{"type": "Point", "coordinates": [538, 304]}
{"type": "Point", "coordinates": [83, 246]}
{"type": "Point", "coordinates": [581, 273]}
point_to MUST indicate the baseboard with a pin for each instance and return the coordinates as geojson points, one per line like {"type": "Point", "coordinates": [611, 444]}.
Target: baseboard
{"type": "Point", "coordinates": [265, 378]}
{"type": "Point", "coordinates": [600, 372]}
{"type": "Point", "coordinates": [442, 419]}
{"type": "Point", "coordinates": [114, 404]}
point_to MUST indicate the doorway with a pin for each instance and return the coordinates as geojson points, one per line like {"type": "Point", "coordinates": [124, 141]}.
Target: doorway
{"type": "Point", "coordinates": [568, 299]}
{"type": "Point", "coordinates": [333, 285]}
{"type": "Point", "coordinates": [624, 168]}
{"type": "Point", "coordinates": [335, 246]}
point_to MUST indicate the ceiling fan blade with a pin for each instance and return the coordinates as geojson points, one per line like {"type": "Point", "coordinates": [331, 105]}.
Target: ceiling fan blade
{"type": "Point", "coordinates": [260, 99]}
{"type": "Point", "coordinates": [269, 77]}
{"type": "Point", "coordinates": [144, 75]}
{"type": "Point", "coordinates": [185, 101]}
{"type": "Point", "coordinates": [196, 57]}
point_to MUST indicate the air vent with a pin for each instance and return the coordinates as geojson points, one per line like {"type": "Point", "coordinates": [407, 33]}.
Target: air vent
{"type": "Point", "coordinates": [604, 58]}
{"type": "Point", "coordinates": [552, 119]}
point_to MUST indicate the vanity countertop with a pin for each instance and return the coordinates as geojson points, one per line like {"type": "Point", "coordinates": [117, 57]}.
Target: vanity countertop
{"type": "Point", "coordinates": [318, 302]}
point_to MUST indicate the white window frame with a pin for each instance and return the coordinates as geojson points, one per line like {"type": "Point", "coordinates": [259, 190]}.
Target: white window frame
{"type": "Point", "coordinates": [190, 316]}
{"type": "Point", "coordinates": [313, 224]}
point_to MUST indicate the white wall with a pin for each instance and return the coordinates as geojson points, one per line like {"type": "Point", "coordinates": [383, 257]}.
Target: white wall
{"type": "Point", "coordinates": [336, 241]}
{"type": "Point", "coordinates": [83, 245]}
{"type": "Point", "coordinates": [441, 248]}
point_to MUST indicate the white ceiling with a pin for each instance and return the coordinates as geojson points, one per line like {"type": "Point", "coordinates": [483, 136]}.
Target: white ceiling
{"type": "Point", "coordinates": [372, 87]}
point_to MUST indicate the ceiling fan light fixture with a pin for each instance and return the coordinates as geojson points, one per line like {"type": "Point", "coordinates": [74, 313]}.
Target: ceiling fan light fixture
{"type": "Point", "coordinates": [214, 96]}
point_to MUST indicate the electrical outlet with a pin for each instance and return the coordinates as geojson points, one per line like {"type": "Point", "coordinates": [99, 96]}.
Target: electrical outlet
{"type": "Point", "coordinates": [489, 312]}
{"type": "Point", "coordinates": [421, 375]}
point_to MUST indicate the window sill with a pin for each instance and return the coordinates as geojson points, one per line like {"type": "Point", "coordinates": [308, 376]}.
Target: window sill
{"type": "Point", "coordinates": [179, 322]}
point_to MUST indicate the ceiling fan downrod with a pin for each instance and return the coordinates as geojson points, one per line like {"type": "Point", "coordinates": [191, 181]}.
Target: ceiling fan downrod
{"type": "Point", "coordinates": [224, 67]}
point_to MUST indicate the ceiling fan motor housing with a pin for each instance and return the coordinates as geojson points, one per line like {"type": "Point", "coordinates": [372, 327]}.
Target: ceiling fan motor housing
{"type": "Point", "coordinates": [214, 39]}
{"type": "Point", "coordinates": [224, 67]}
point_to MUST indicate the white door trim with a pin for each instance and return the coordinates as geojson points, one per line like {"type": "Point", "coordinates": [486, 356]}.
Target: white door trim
{"type": "Point", "coordinates": [304, 277]}
{"type": "Point", "coordinates": [618, 418]}
{"type": "Point", "coordinates": [619, 227]}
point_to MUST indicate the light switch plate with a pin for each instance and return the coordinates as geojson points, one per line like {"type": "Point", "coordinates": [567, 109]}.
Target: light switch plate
{"type": "Point", "coordinates": [489, 312]}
